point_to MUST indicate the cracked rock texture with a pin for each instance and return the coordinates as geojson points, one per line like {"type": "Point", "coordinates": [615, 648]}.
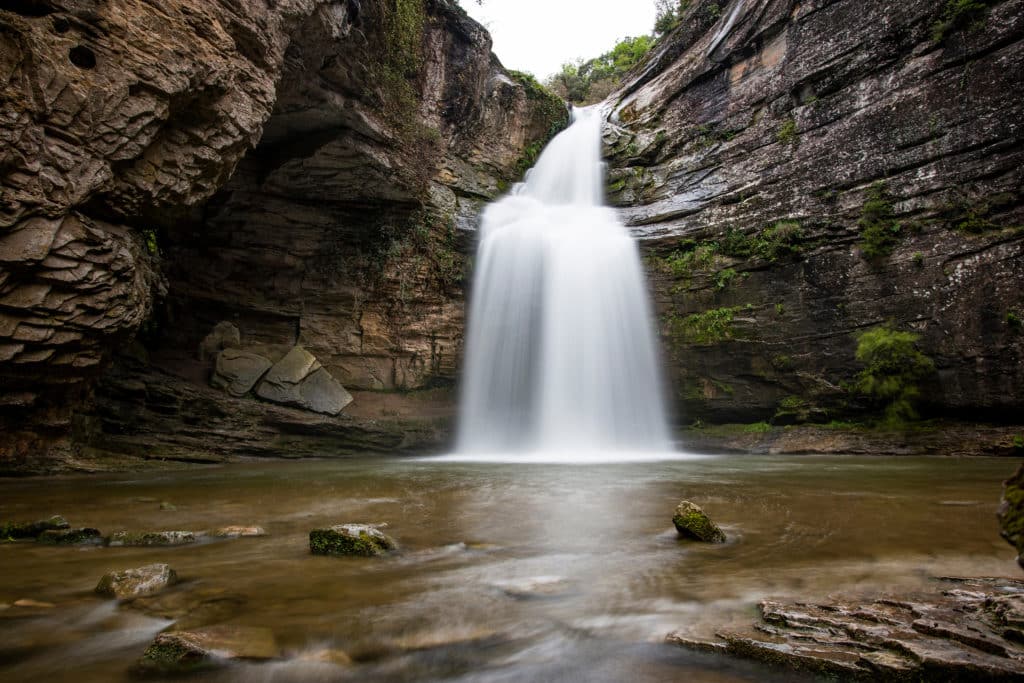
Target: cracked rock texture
{"type": "Point", "coordinates": [968, 631]}
{"type": "Point", "coordinates": [756, 112]}
{"type": "Point", "coordinates": [303, 169]}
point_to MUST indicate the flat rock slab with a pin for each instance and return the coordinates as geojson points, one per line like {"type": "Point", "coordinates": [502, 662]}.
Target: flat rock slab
{"type": "Point", "coordinates": [133, 583]}
{"type": "Point", "coordinates": [151, 538]}
{"type": "Point", "coordinates": [970, 632]}
{"type": "Point", "coordinates": [300, 381]}
{"type": "Point", "coordinates": [192, 609]}
{"type": "Point", "coordinates": [360, 540]}
{"type": "Point", "coordinates": [238, 371]}
{"type": "Point", "coordinates": [185, 651]}
{"type": "Point", "coordinates": [82, 536]}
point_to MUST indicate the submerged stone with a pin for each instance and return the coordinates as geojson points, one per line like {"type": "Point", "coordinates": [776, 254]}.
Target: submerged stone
{"type": "Point", "coordinates": [187, 651]}
{"type": "Point", "coordinates": [361, 540]}
{"type": "Point", "coordinates": [22, 530]}
{"type": "Point", "coordinates": [83, 536]}
{"type": "Point", "coordinates": [132, 583]}
{"type": "Point", "coordinates": [693, 523]}
{"type": "Point", "coordinates": [237, 531]}
{"type": "Point", "coordinates": [152, 538]}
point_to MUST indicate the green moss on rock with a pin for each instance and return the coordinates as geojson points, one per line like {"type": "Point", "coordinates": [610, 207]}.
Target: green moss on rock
{"type": "Point", "coordinates": [83, 536]}
{"type": "Point", "coordinates": [693, 523]}
{"type": "Point", "coordinates": [360, 540]}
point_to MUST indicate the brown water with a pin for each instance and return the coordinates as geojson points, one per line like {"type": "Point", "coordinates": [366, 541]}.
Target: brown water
{"type": "Point", "coordinates": [451, 607]}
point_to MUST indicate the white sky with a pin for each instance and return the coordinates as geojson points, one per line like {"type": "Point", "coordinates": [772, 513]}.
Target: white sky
{"type": "Point", "coordinates": [540, 35]}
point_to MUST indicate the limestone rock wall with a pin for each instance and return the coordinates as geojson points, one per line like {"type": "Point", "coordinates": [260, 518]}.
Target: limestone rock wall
{"type": "Point", "coordinates": [829, 116]}
{"type": "Point", "coordinates": [303, 168]}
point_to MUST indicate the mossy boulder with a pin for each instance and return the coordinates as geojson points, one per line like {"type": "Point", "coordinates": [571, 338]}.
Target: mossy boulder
{"type": "Point", "coordinates": [362, 540]}
{"type": "Point", "coordinates": [133, 583]}
{"type": "Point", "coordinates": [693, 523]}
{"type": "Point", "coordinates": [152, 538]}
{"type": "Point", "coordinates": [12, 531]}
{"type": "Point", "coordinates": [83, 536]}
{"type": "Point", "coordinates": [187, 651]}
{"type": "Point", "coordinates": [1011, 513]}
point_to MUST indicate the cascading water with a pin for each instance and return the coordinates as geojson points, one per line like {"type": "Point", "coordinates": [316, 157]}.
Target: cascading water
{"type": "Point", "coordinates": [560, 350]}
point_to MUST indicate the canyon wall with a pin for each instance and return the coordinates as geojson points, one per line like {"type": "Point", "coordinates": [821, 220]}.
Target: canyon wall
{"type": "Point", "coordinates": [304, 169]}
{"type": "Point", "coordinates": [800, 172]}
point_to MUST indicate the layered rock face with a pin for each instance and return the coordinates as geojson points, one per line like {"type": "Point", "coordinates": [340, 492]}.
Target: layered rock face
{"type": "Point", "coordinates": [799, 172]}
{"type": "Point", "coordinates": [378, 126]}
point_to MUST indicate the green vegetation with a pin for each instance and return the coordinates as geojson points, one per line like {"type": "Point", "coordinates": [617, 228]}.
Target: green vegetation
{"type": "Point", "coordinates": [878, 229]}
{"type": "Point", "coordinates": [1013, 321]}
{"type": "Point", "coordinates": [972, 215]}
{"type": "Point", "coordinates": [553, 109]}
{"type": "Point", "coordinates": [149, 235]}
{"type": "Point", "coordinates": [782, 362]}
{"type": "Point", "coordinates": [787, 131]}
{"type": "Point", "coordinates": [670, 14]}
{"type": "Point", "coordinates": [960, 14]}
{"type": "Point", "coordinates": [1018, 442]}
{"type": "Point", "coordinates": [771, 244]}
{"type": "Point", "coordinates": [709, 327]}
{"type": "Point", "coordinates": [757, 428]}
{"type": "Point", "coordinates": [893, 368]}
{"type": "Point", "coordinates": [780, 309]}
{"type": "Point", "coordinates": [586, 82]}
{"type": "Point", "coordinates": [723, 277]}
{"type": "Point", "coordinates": [918, 259]}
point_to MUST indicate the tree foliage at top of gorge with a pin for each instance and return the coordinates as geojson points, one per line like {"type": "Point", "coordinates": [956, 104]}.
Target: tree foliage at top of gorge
{"type": "Point", "coordinates": [590, 81]}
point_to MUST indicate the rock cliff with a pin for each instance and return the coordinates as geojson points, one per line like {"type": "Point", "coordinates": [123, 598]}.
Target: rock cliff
{"type": "Point", "coordinates": [799, 172]}
{"type": "Point", "coordinates": [305, 169]}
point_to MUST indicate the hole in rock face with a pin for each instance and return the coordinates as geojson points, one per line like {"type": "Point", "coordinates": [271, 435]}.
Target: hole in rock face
{"type": "Point", "coordinates": [61, 25]}
{"type": "Point", "coordinates": [82, 57]}
{"type": "Point", "coordinates": [29, 8]}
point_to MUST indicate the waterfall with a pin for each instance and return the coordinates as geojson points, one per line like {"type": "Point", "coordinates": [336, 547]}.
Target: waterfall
{"type": "Point", "coordinates": [560, 350]}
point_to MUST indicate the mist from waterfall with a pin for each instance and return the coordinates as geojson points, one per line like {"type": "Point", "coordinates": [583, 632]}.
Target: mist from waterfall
{"type": "Point", "coordinates": [560, 351]}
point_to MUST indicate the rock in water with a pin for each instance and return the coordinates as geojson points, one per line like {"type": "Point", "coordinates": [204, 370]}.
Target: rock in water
{"type": "Point", "coordinates": [83, 536]}
{"type": "Point", "coordinates": [692, 522]}
{"type": "Point", "coordinates": [224, 336]}
{"type": "Point", "coordinates": [965, 633]}
{"type": "Point", "coordinates": [1011, 513]}
{"type": "Point", "coordinates": [361, 540]}
{"type": "Point", "coordinates": [185, 651]}
{"type": "Point", "coordinates": [299, 380]}
{"type": "Point", "coordinates": [17, 530]}
{"type": "Point", "coordinates": [152, 538]}
{"type": "Point", "coordinates": [238, 371]}
{"type": "Point", "coordinates": [237, 531]}
{"type": "Point", "coordinates": [133, 583]}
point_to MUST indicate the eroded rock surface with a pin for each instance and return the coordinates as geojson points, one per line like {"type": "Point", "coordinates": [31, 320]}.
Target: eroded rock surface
{"type": "Point", "coordinates": [299, 380]}
{"type": "Point", "coordinates": [760, 147]}
{"type": "Point", "coordinates": [971, 630]}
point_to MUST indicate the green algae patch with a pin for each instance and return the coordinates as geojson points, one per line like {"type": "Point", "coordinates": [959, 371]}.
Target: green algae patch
{"type": "Point", "coordinates": [693, 523]}
{"type": "Point", "coordinates": [356, 540]}
{"type": "Point", "coordinates": [83, 536]}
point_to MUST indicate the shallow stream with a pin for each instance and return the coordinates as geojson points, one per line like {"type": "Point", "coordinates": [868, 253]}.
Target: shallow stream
{"type": "Point", "coordinates": [507, 572]}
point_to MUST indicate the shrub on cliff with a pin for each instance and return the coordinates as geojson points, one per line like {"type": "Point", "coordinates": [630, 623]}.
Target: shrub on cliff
{"type": "Point", "coordinates": [893, 369]}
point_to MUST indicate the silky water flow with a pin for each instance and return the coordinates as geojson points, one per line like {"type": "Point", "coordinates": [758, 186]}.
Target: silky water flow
{"type": "Point", "coordinates": [561, 356]}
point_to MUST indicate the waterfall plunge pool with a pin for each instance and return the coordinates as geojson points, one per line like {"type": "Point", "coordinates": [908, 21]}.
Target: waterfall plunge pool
{"type": "Point", "coordinates": [508, 572]}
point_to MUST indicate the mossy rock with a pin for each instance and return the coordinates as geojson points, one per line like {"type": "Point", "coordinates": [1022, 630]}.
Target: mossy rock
{"type": "Point", "coordinates": [12, 531]}
{"type": "Point", "coordinates": [693, 523]}
{"type": "Point", "coordinates": [360, 540]}
{"type": "Point", "coordinates": [1011, 513]}
{"type": "Point", "coordinates": [183, 652]}
{"type": "Point", "coordinates": [83, 536]}
{"type": "Point", "coordinates": [152, 538]}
